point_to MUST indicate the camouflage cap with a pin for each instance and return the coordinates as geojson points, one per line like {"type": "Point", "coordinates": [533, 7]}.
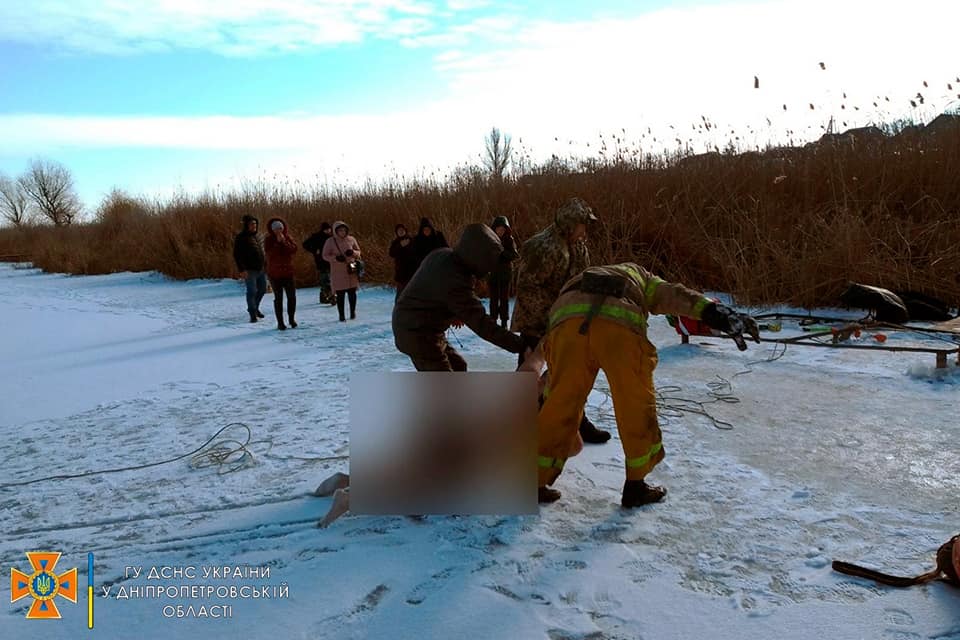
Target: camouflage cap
{"type": "Point", "coordinates": [575, 211]}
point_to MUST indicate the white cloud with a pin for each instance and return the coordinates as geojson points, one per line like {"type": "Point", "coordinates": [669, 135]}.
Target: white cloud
{"type": "Point", "coordinates": [662, 71]}
{"type": "Point", "coordinates": [432, 136]}
{"type": "Point", "coordinates": [466, 5]}
{"type": "Point", "coordinates": [237, 27]}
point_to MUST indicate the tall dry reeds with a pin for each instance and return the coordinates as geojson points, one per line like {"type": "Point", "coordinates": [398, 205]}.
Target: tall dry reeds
{"type": "Point", "coordinates": [784, 225]}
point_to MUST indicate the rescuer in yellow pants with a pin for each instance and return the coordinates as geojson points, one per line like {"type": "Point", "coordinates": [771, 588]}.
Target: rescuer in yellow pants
{"type": "Point", "coordinates": [599, 322]}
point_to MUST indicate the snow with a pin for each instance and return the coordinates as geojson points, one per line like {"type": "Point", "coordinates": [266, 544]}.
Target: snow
{"type": "Point", "coordinates": [833, 454]}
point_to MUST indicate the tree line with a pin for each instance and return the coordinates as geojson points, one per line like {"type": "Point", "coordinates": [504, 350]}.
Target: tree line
{"type": "Point", "coordinates": [45, 190]}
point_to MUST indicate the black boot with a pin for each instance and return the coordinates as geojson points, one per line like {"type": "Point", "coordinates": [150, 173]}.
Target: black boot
{"type": "Point", "coordinates": [253, 317]}
{"type": "Point", "coordinates": [590, 433]}
{"type": "Point", "coordinates": [638, 492]}
{"type": "Point", "coordinates": [293, 323]}
{"type": "Point", "coordinates": [281, 326]}
{"type": "Point", "coordinates": [546, 495]}
{"type": "Point", "coordinates": [260, 314]}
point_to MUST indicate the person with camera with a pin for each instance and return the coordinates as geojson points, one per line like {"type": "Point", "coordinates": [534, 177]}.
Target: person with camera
{"type": "Point", "coordinates": [342, 251]}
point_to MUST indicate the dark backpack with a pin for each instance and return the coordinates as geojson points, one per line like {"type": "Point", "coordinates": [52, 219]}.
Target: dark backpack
{"type": "Point", "coordinates": [885, 304]}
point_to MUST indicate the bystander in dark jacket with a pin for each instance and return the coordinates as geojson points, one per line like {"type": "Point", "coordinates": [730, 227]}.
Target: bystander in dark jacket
{"type": "Point", "coordinates": [500, 279]}
{"type": "Point", "coordinates": [314, 245]}
{"type": "Point", "coordinates": [404, 259]}
{"type": "Point", "coordinates": [427, 240]}
{"type": "Point", "coordinates": [249, 258]}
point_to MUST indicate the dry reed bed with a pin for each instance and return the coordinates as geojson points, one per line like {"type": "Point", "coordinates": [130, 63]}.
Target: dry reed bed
{"type": "Point", "coordinates": [787, 225]}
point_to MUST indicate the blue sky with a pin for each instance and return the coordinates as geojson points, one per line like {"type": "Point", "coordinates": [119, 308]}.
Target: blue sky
{"type": "Point", "coordinates": [155, 96]}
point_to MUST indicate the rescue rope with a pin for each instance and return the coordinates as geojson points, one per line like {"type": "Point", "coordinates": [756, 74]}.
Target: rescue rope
{"type": "Point", "coordinates": [720, 390]}
{"type": "Point", "coordinates": [227, 454]}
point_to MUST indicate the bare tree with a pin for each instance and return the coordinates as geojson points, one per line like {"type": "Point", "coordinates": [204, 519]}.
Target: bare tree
{"type": "Point", "coordinates": [498, 153]}
{"type": "Point", "coordinates": [14, 204]}
{"type": "Point", "coordinates": [50, 186]}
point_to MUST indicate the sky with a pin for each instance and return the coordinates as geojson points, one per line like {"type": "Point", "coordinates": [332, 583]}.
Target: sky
{"type": "Point", "coordinates": [159, 96]}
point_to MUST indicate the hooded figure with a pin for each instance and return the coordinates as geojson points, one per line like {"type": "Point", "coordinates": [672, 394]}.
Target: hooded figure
{"type": "Point", "coordinates": [280, 247]}
{"type": "Point", "coordinates": [314, 245]}
{"type": "Point", "coordinates": [342, 250]}
{"type": "Point", "coordinates": [426, 240]}
{"type": "Point", "coordinates": [440, 292]}
{"type": "Point", "coordinates": [404, 259]}
{"type": "Point", "coordinates": [249, 258]}
{"type": "Point", "coordinates": [498, 282]}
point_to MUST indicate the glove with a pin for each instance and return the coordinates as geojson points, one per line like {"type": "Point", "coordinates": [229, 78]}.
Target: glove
{"type": "Point", "coordinates": [341, 259]}
{"type": "Point", "coordinates": [724, 319]}
{"type": "Point", "coordinates": [348, 253]}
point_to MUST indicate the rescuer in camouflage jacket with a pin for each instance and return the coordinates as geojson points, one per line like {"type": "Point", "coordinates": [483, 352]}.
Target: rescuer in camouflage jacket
{"type": "Point", "coordinates": [548, 260]}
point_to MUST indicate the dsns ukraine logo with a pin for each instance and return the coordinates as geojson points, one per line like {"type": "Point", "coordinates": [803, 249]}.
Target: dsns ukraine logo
{"type": "Point", "coordinates": [43, 585]}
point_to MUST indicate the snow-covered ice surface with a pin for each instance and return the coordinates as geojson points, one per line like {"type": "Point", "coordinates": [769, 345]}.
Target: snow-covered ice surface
{"type": "Point", "coordinates": [833, 454]}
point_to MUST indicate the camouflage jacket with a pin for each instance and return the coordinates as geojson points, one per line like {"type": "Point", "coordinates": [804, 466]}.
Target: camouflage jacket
{"type": "Point", "coordinates": [547, 261]}
{"type": "Point", "coordinates": [644, 294]}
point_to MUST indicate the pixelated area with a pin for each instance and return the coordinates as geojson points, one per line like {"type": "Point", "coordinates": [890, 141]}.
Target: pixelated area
{"type": "Point", "coordinates": [437, 443]}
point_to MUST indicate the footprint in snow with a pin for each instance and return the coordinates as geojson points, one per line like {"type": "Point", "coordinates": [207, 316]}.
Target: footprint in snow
{"type": "Point", "coordinates": [428, 587]}
{"type": "Point", "coordinates": [898, 616]}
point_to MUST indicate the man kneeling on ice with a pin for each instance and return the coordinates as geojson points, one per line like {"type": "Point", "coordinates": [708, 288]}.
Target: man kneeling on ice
{"type": "Point", "coordinates": [600, 322]}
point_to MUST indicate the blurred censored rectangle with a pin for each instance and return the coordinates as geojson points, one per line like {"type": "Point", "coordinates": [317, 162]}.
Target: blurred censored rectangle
{"type": "Point", "coordinates": [437, 443]}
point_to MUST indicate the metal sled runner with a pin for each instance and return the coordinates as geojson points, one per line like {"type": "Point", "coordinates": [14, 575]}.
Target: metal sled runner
{"type": "Point", "coordinates": [839, 336]}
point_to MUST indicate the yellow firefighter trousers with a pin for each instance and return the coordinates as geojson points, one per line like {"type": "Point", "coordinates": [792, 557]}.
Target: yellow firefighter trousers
{"type": "Point", "coordinates": [573, 360]}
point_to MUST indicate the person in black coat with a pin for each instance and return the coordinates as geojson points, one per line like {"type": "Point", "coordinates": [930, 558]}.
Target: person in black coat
{"type": "Point", "coordinates": [498, 282]}
{"type": "Point", "coordinates": [426, 240]}
{"type": "Point", "coordinates": [314, 244]}
{"type": "Point", "coordinates": [249, 258]}
{"type": "Point", "coordinates": [404, 259]}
